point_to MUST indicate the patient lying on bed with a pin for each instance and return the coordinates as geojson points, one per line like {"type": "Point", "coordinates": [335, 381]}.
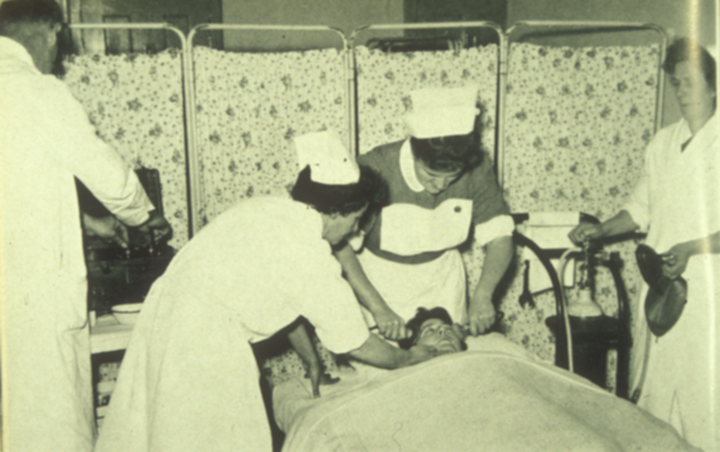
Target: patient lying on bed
{"type": "Point", "coordinates": [434, 328]}
{"type": "Point", "coordinates": [496, 395]}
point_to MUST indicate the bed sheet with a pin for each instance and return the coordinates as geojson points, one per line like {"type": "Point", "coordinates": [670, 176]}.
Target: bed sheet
{"type": "Point", "coordinates": [492, 397]}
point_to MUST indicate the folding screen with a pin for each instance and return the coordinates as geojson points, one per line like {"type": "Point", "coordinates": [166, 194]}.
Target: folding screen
{"type": "Point", "coordinates": [247, 109]}
{"type": "Point", "coordinates": [576, 123]}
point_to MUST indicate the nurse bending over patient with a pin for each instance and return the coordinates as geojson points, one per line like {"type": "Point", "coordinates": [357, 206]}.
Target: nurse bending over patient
{"type": "Point", "coordinates": [189, 379]}
{"type": "Point", "coordinates": [443, 192]}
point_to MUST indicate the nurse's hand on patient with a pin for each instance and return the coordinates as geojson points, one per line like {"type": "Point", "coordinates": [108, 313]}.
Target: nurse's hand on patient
{"type": "Point", "coordinates": [391, 325]}
{"type": "Point", "coordinates": [482, 316]}
{"type": "Point", "coordinates": [318, 377]}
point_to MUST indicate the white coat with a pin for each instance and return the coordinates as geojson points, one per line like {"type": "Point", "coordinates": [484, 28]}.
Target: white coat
{"type": "Point", "coordinates": [676, 200]}
{"type": "Point", "coordinates": [189, 380]}
{"type": "Point", "coordinates": [45, 140]}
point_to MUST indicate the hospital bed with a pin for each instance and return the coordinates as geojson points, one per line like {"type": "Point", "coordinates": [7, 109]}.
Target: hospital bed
{"type": "Point", "coordinates": [495, 396]}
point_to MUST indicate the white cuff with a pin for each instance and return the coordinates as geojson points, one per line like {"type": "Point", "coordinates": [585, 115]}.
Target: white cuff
{"type": "Point", "coordinates": [502, 225]}
{"type": "Point", "coordinates": [639, 215]}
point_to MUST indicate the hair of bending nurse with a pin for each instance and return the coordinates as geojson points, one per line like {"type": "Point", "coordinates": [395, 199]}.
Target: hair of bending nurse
{"type": "Point", "coordinates": [442, 191]}
{"type": "Point", "coordinates": [189, 380]}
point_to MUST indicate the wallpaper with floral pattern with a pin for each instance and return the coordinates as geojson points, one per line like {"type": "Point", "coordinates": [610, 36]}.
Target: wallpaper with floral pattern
{"type": "Point", "coordinates": [136, 103]}
{"type": "Point", "coordinates": [249, 108]}
{"type": "Point", "coordinates": [384, 82]}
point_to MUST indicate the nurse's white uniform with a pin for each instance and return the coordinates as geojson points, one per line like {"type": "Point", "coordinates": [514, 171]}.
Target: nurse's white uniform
{"type": "Point", "coordinates": [189, 379]}
{"type": "Point", "coordinates": [677, 200]}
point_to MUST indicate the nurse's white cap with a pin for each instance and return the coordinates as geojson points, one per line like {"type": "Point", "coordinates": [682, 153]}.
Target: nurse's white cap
{"type": "Point", "coordinates": [331, 163]}
{"type": "Point", "coordinates": [441, 112]}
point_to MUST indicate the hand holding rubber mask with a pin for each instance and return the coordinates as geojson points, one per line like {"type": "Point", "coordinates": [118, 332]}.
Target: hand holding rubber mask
{"type": "Point", "coordinates": [666, 297]}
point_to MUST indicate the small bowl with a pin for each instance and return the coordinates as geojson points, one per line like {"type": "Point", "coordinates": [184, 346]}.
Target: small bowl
{"type": "Point", "coordinates": [126, 313]}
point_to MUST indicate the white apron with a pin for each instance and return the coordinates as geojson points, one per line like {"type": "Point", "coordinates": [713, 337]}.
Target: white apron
{"type": "Point", "coordinates": [406, 287]}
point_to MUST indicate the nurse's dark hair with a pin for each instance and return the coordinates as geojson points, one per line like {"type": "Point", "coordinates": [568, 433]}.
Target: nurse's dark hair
{"type": "Point", "coordinates": [371, 191]}
{"type": "Point", "coordinates": [451, 153]}
{"type": "Point", "coordinates": [14, 12]}
{"type": "Point", "coordinates": [416, 322]}
{"type": "Point", "coordinates": [685, 49]}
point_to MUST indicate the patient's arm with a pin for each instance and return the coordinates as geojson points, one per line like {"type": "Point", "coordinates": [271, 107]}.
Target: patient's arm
{"type": "Point", "coordinates": [300, 340]}
{"type": "Point", "coordinates": [379, 353]}
{"type": "Point", "coordinates": [390, 325]}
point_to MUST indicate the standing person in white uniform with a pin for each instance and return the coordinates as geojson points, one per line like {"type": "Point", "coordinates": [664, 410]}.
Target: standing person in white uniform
{"type": "Point", "coordinates": [189, 380]}
{"type": "Point", "coordinates": [45, 140]}
{"type": "Point", "coordinates": [677, 201]}
{"type": "Point", "coordinates": [442, 190]}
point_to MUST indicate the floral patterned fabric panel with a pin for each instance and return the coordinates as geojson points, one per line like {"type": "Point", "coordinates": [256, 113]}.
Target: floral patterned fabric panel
{"type": "Point", "coordinates": [249, 108]}
{"type": "Point", "coordinates": [384, 82]}
{"type": "Point", "coordinates": [577, 124]}
{"type": "Point", "coordinates": [136, 103]}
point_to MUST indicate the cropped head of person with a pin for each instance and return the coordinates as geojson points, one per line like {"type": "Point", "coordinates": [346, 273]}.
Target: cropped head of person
{"type": "Point", "coordinates": [444, 131]}
{"type": "Point", "coordinates": [331, 182]}
{"type": "Point", "coordinates": [691, 70]}
{"type": "Point", "coordinates": [37, 25]}
{"type": "Point", "coordinates": [433, 328]}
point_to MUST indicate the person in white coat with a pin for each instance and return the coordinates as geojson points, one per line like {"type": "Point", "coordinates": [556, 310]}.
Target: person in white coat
{"type": "Point", "coordinates": [677, 202]}
{"type": "Point", "coordinates": [189, 380]}
{"type": "Point", "coordinates": [46, 140]}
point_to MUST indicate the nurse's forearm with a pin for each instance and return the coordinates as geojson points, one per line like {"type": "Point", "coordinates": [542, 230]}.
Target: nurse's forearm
{"type": "Point", "coordinates": [366, 293]}
{"type": "Point", "coordinates": [379, 353]}
{"type": "Point", "coordinates": [498, 255]}
{"type": "Point", "coordinates": [705, 245]}
{"type": "Point", "coordinates": [301, 342]}
{"type": "Point", "coordinates": [619, 224]}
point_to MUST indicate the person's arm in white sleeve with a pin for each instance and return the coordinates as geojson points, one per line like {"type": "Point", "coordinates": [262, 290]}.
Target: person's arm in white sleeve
{"type": "Point", "coordinates": [326, 300]}
{"type": "Point", "coordinates": [96, 163]}
{"type": "Point", "coordinates": [621, 223]}
{"type": "Point", "coordinates": [634, 216]}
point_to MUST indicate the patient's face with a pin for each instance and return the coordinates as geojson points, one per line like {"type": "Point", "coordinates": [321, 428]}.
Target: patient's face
{"type": "Point", "coordinates": [438, 334]}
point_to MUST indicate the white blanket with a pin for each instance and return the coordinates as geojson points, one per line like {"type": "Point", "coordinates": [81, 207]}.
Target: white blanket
{"type": "Point", "coordinates": [492, 397]}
